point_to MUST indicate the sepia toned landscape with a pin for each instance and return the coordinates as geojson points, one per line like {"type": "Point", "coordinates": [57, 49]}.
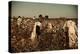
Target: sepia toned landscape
{"type": "Point", "coordinates": [42, 33]}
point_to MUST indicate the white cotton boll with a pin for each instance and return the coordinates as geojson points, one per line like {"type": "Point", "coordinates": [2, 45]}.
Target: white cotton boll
{"type": "Point", "coordinates": [49, 25]}
{"type": "Point", "coordinates": [54, 31]}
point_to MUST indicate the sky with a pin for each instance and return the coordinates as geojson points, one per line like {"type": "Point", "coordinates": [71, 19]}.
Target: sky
{"type": "Point", "coordinates": [29, 9]}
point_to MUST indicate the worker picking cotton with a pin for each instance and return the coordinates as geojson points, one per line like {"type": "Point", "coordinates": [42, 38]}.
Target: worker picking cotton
{"type": "Point", "coordinates": [19, 20]}
{"type": "Point", "coordinates": [72, 31]}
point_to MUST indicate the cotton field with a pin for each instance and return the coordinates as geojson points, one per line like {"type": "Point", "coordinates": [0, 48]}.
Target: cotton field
{"type": "Point", "coordinates": [28, 34]}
